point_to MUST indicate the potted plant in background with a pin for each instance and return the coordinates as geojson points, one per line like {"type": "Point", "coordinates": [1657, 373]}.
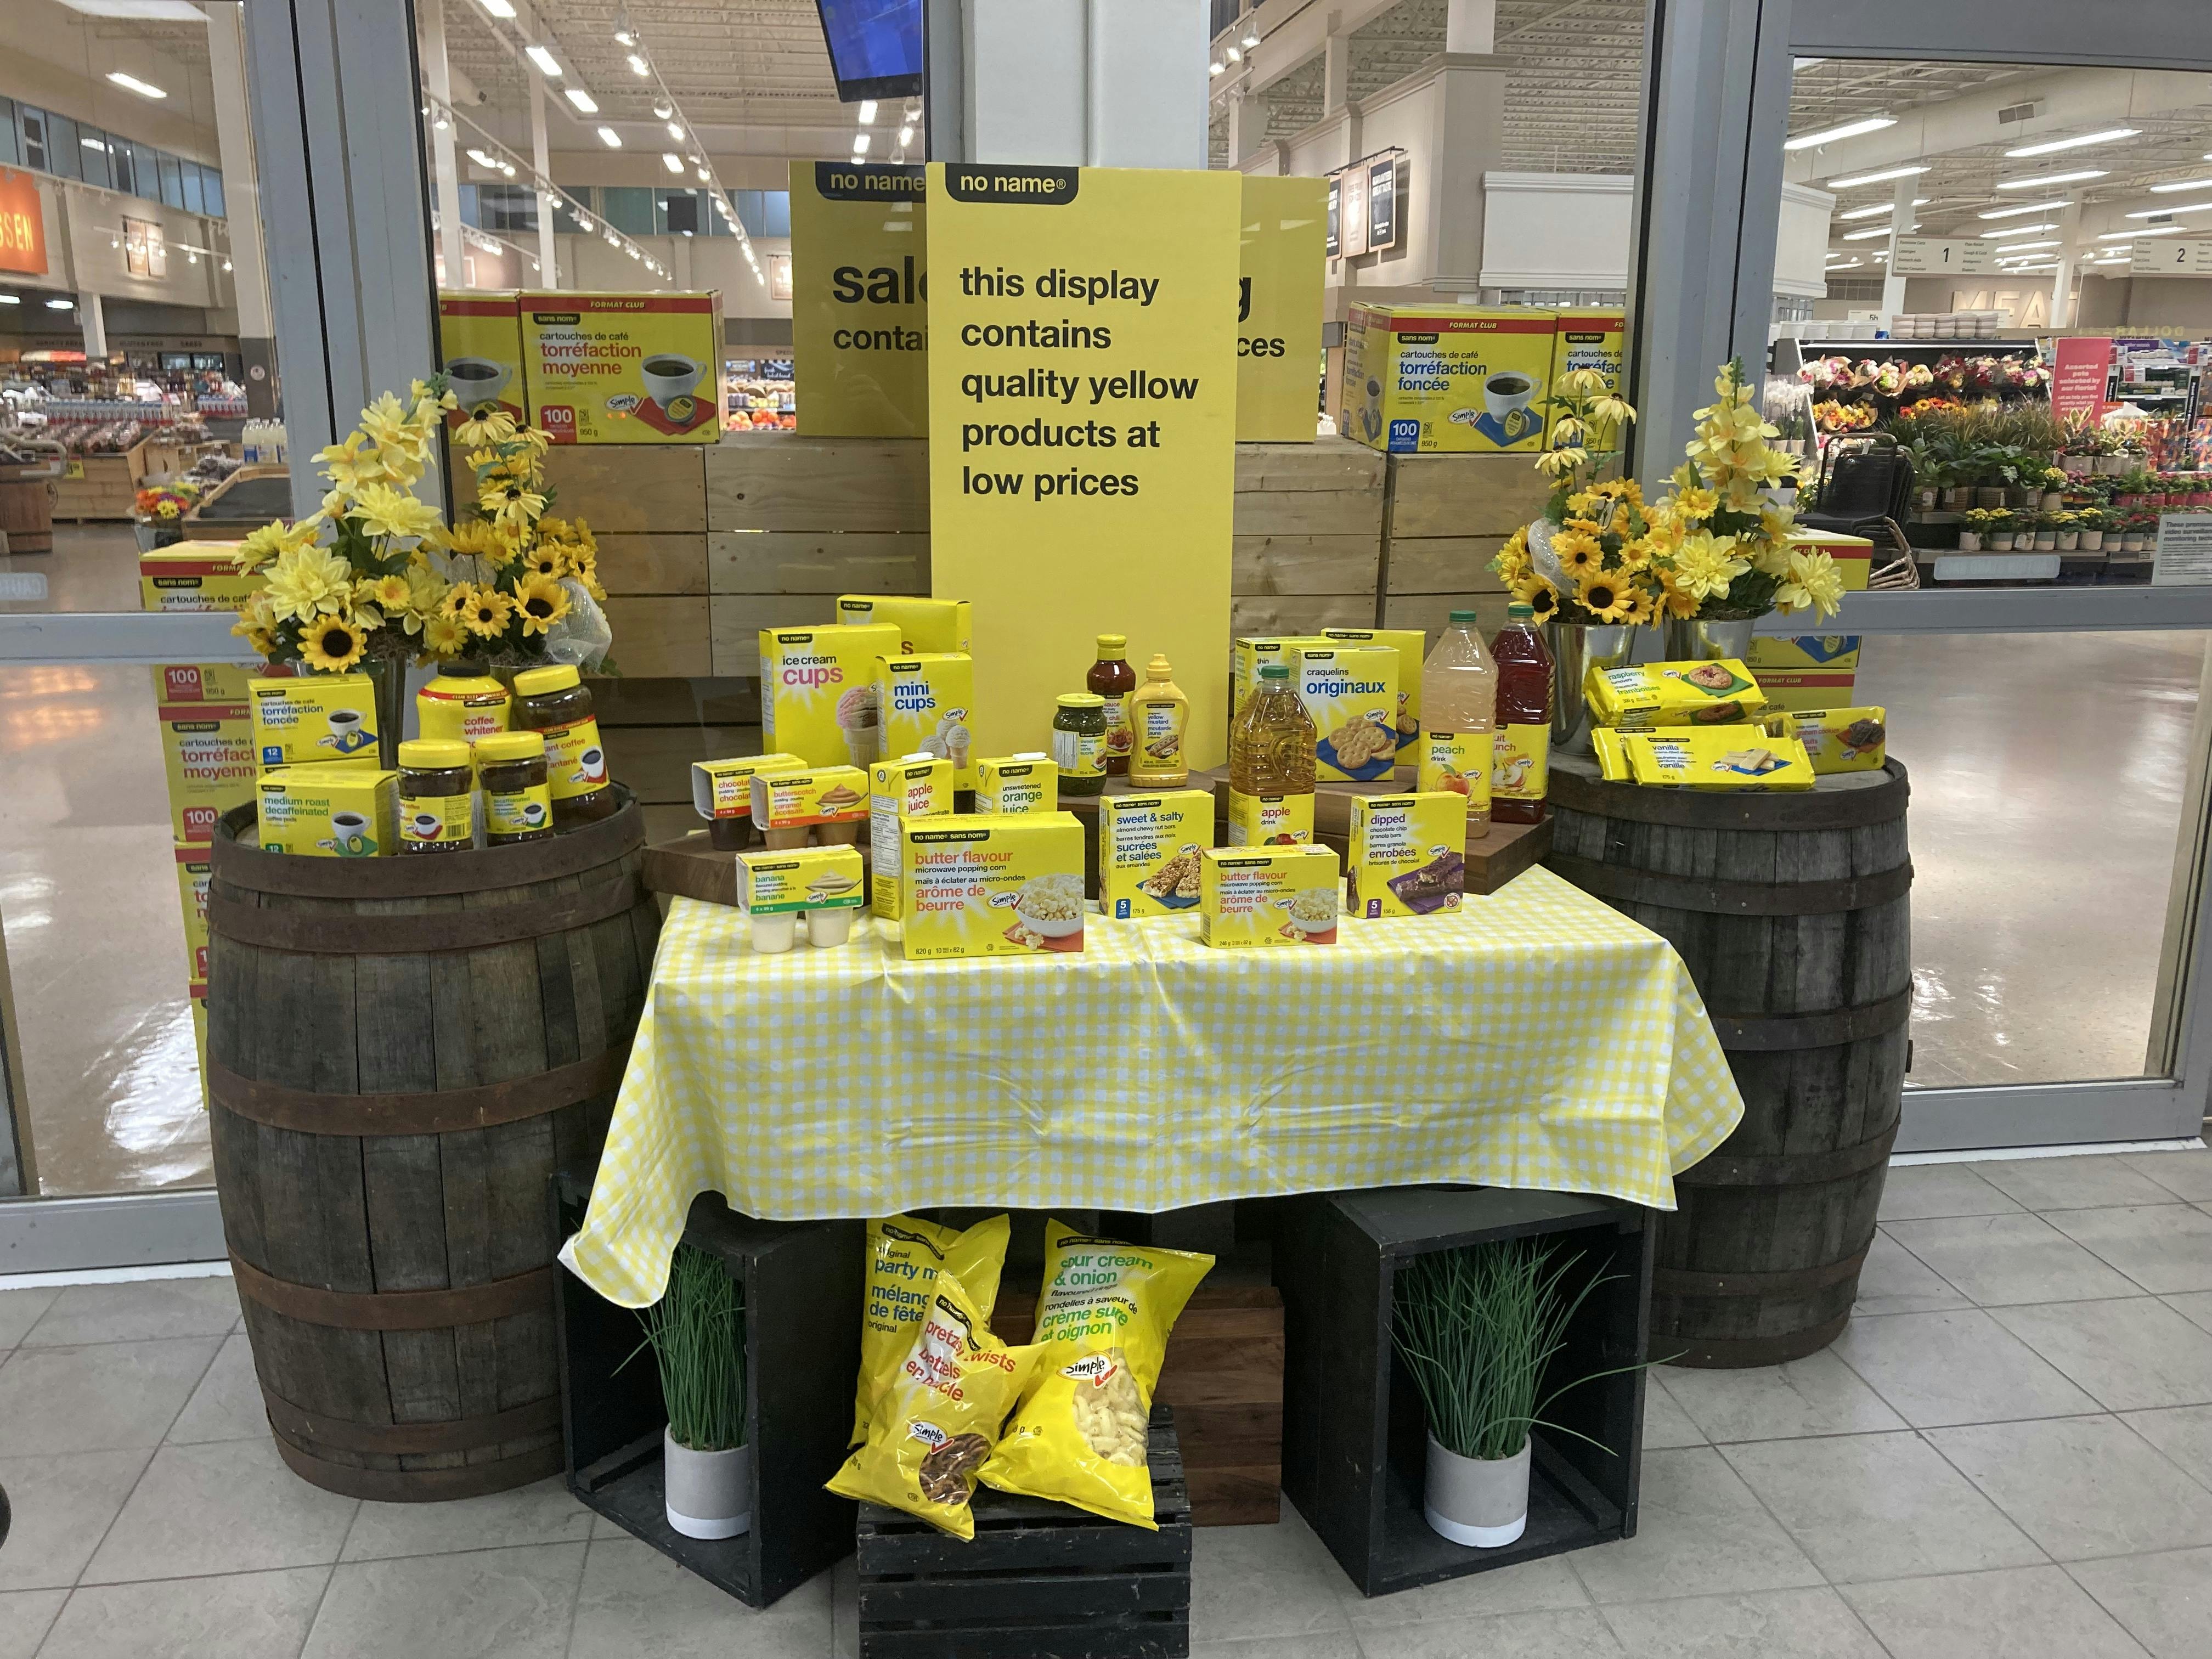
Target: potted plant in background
{"type": "Point", "coordinates": [2067, 528]}
{"type": "Point", "coordinates": [2091, 519]}
{"type": "Point", "coordinates": [1980, 529]}
{"type": "Point", "coordinates": [2046, 533]}
{"type": "Point", "coordinates": [696, 1333]}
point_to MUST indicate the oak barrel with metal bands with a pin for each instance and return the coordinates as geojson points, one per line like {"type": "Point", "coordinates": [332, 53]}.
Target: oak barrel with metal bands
{"type": "Point", "coordinates": [401, 1051]}
{"type": "Point", "coordinates": [1792, 912]}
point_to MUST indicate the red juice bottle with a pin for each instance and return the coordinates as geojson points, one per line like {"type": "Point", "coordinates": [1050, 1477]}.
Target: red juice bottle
{"type": "Point", "coordinates": [1520, 776]}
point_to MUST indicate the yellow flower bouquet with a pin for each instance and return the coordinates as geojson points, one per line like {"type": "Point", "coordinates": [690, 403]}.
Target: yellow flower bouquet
{"type": "Point", "coordinates": [1589, 559]}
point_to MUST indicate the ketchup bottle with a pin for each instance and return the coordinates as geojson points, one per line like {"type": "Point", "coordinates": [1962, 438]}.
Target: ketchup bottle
{"type": "Point", "coordinates": [1520, 777]}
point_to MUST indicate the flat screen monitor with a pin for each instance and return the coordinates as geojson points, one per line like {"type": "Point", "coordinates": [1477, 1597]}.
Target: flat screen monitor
{"type": "Point", "coordinates": [875, 47]}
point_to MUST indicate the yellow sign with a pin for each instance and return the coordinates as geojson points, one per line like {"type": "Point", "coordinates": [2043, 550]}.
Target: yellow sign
{"type": "Point", "coordinates": [1083, 400]}
{"type": "Point", "coordinates": [860, 294]}
{"type": "Point", "coordinates": [1285, 239]}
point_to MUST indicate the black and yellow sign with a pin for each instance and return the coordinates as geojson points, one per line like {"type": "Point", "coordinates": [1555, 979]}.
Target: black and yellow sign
{"type": "Point", "coordinates": [1082, 419]}
{"type": "Point", "coordinates": [859, 287]}
{"type": "Point", "coordinates": [1285, 232]}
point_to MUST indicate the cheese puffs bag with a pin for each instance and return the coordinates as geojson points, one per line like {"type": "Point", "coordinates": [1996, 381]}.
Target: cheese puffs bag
{"type": "Point", "coordinates": [904, 1258]}
{"type": "Point", "coordinates": [938, 1414]}
{"type": "Point", "coordinates": [1103, 1323]}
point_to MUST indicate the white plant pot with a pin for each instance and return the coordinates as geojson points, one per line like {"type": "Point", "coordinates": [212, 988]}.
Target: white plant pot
{"type": "Point", "coordinates": [2092, 540]}
{"type": "Point", "coordinates": [2054, 501]}
{"type": "Point", "coordinates": [2112, 465]}
{"type": "Point", "coordinates": [710, 1494]}
{"type": "Point", "coordinates": [2068, 540]}
{"type": "Point", "coordinates": [2046, 541]}
{"type": "Point", "coordinates": [1969, 542]}
{"type": "Point", "coordinates": [1480, 1502]}
{"type": "Point", "coordinates": [2000, 541]}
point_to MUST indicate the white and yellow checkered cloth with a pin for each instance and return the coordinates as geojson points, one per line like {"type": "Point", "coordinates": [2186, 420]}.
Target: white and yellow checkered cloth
{"type": "Point", "coordinates": [1535, 1038]}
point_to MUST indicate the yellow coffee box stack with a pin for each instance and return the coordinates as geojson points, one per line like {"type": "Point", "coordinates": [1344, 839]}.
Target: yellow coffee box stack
{"type": "Point", "coordinates": [480, 337]}
{"type": "Point", "coordinates": [1351, 693]}
{"type": "Point", "coordinates": [1701, 757]}
{"type": "Point", "coordinates": [623, 368]}
{"type": "Point", "coordinates": [1018, 783]}
{"type": "Point", "coordinates": [824, 804]}
{"type": "Point", "coordinates": [1838, 739]}
{"type": "Point", "coordinates": [313, 718]}
{"type": "Point", "coordinates": [922, 702]}
{"type": "Point", "coordinates": [344, 809]}
{"type": "Point", "coordinates": [923, 624]}
{"type": "Point", "coordinates": [1663, 694]}
{"type": "Point", "coordinates": [1811, 670]}
{"type": "Point", "coordinates": [195, 576]}
{"type": "Point", "coordinates": [1412, 645]}
{"type": "Point", "coordinates": [977, 886]}
{"type": "Point", "coordinates": [195, 865]}
{"type": "Point", "coordinates": [1148, 850]}
{"type": "Point", "coordinates": [1250, 652]}
{"type": "Point", "coordinates": [208, 752]}
{"type": "Point", "coordinates": [1424, 379]}
{"type": "Point", "coordinates": [918, 787]}
{"type": "Point", "coordinates": [1254, 896]}
{"type": "Point", "coordinates": [1408, 854]}
{"type": "Point", "coordinates": [818, 692]}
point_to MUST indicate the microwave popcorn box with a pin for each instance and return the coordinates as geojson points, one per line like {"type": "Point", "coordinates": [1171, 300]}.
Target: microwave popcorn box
{"type": "Point", "coordinates": [919, 787]}
{"type": "Point", "coordinates": [1699, 757]}
{"type": "Point", "coordinates": [1270, 820]}
{"type": "Point", "coordinates": [922, 703]}
{"type": "Point", "coordinates": [623, 368]}
{"type": "Point", "coordinates": [1412, 645]}
{"type": "Point", "coordinates": [818, 692]}
{"type": "Point", "coordinates": [1249, 897]}
{"type": "Point", "coordinates": [312, 717]}
{"type": "Point", "coordinates": [1148, 851]}
{"type": "Point", "coordinates": [978, 885]}
{"type": "Point", "coordinates": [1838, 739]}
{"type": "Point", "coordinates": [1446, 380]}
{"type": "Point", "coordinates": [1407, 854]}
{"type": "Point", "coordinates": [1662, 693]}
{"type": "Point", "coordinates": [1350, 692]}
{"type": "Point", "coordinates": [804, 878]}
{"type": "Point", "coordinates": [196, 576]}
{"type": "Point", "coordinates": [1018, 783]}
{"type": "Point", "coordinates": [724, 789]}
{"type": "Point", "coordinates": [195, 865]}
{"type": "Point", "coordinates": [810, 795]}
{"type": "Point", "coordinates": [480, 340]}
{"type": "Point", "coordinates": [1813, 671]}
{"type": "Point", "coordinates": [329, 812]}
{"type": "Point", "coordinates": [924, 625]}
{"type": "Point", "coordinates": [1251, 653]}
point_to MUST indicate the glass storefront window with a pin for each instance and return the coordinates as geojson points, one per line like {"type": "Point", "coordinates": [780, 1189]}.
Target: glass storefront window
{"type": "Point", "coordinates": [99, 168]}
{"type": "Point", "coordinates": [172, 182]}
{"type": "Point", "coordinates": [34, 138]}
{"type": "Point", "coordinates": [628, 208]}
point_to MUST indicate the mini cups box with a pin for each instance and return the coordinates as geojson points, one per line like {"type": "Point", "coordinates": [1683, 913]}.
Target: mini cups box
{"type": "Point", "coordinates": [919, 787]}
{"type": "Point", "coordinates": [329, 812]}
{"type": "Point", "coordinates": [972, 885]}
{"type": "Point", "coordinates": [1018, 783]}
{"type": "Point", "coordinates": [1282, 895]}
{"type": "Point", "coordinates": [922, 702]}
{"type": "Point", "coordinates": [1412, 645]}
{"type": "Point", "coordinates": [480, 339]}
{"type": "Point", "coordinates": [804, 878]}
{"type": "Point", "coordinates": [1148, 851]}
{"type": "Point", "coordinates": [1661, 693]}
{"type": "Point", "coordinates": [1445, 381]}
{"type": "Point", "coordinates": [724, 789]}
{"type": "Point", "coordinates": [623, 368]}
{"type": "Point", "coordinates": [923, 624]}
{"type": "Point", "coordinates": [314, 717]}
{"type": "Point", "coordinates": [1407, 854]}
{"type": "Point", "coordinates": [818, 692]}
{"type": "Point", "coordinates": [1351, 693]}
{"type": "Point", "coordinates": [197, 576]}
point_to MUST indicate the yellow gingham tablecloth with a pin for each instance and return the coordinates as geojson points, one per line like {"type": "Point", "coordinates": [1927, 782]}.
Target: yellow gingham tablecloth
{"type": "Point", "coordinates": [1535, 1038]}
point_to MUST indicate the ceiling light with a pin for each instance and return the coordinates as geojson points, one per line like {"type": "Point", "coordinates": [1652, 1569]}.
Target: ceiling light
{"type": "Point", "coordinates": [441, 123]}
{"type": "Point", "coordinates": [61, 304]}
{"type": "Point", "coordinates": [867, 111]}
{"type": "Point", "coordinates": [613, 240]}
{"type": "Point", "coordinates": [633, 253]}
{"type": "Point", "coordinates": [2018, 230]}
{"type": "Point", "coordinates": [10, 299]}
{"type": "Point", "coordinates": [226, 265]}
{"type": "Point", "coordinates": [906, 135]}
{"type": "Point", "coordinates": [662, 109]}
{"type": "Point", "coordinates": [1251, 39]}
{"type": "Point", "coordinates": [191, 259]}
{"type": "Point", "coordinates": [1234, 55]}
{"type": "Point", "coordinates": [860, 144]}
{"type": "Point", "coordinates": [544, 60]}
{"type": "Point", "coordinates": [132, 83]}
{"type": "Point", "coordinates": [1886, 207]}
{"type": "Point", "coordinates": [502, 8]}
{"type": "Point", "coordinates": [703, 175]}
{"type": "Point", "coordinates": [2160, 213]}
{"type": "Point", "coordinates": [1213, 69]}
{"type": "Point", "coordinates": [583, 224]}
{"type": "Point", "coordinates": [582, 99]}
{"type": "Point", "coordinates": [610, 138]}
{"type": "Point", "coordinates": [2014, 250]}
{"type": "Point", "coordinates": [508, 167]}
{"type": "Point", "coordinates": [1862, 235]}
{"type": "Point", "coordinates": [625, 38]}
{"type": "Point", "coordinates": [672, 160]}
{"type": "Point", "coordinates": [2044, 180]}
{"type": "Point", "coordinates": [676, 130]}
{"type": "Point", "coordinates": [2124, 235]}
{"type": "Point", "coordinates": [2185, 184]}
{"type": "Point", "coordinates": [2026, 206]}
{"type": "Point", "coordinates": [480, 158]}
{"type": "Point", "coordinates": [2051, 147]}
{"type": "Point", "coordinates": [1848, 130]}
{"type": "Point", "coordinates": [638, 66]}
{"type": "Point", "coordinates": [1882, 178]}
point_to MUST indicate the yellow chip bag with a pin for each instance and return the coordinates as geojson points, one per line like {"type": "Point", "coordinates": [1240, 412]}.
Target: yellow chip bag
{"type": "Point", "coordinates": [904, 1259]}
{"type": "Point", "coordinates": [939, 1414]}
{"type": "Point", "coordinates": [1103, 1323]}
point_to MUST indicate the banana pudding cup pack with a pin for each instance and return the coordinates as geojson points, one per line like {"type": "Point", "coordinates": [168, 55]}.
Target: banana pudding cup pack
{"type": "Point", "coordinates": [1745, 759]}
{"type": "Point", "coordinates": [1658, 694]}
{"type": "Point", "coordinates": [823, 883]}
{"type": "Point", "coordinates": [1407, 854]}
{"type": "Point", "coordinates": [923, 703]}
{"type": "Point", "coordinates": [828, 803]}
{"type": "Point", "coordinates": [1265, 895]}
{"type": "Point", "coordinates": [918, 787]}
{"type": "Point", "coordinates": [1351, 693]}
{"type": "Point", "coordinates": [818, 692]}
{"type": "Point", "coordinates": [1148, 851]}
{"type": "Point", "coordinates": [978, 885]}
{"type": "Point", "coordinates": [1018, 783]}
{"type": "Point", "coordinates": [905, 1256]}
{"type": "Point", "coordinates": [1080, 1435]}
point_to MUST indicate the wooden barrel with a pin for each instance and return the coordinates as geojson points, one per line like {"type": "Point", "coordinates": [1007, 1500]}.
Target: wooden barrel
{"type": "Point", "coordinates": [400, 1052]}
{"type": "Point", "coordinates": [27, 513]}
{"type": "Point", "coordinates": [1792, 912]}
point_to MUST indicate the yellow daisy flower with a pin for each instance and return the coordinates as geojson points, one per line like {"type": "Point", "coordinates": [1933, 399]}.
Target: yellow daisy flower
{"type": "Point", "coordinates": [381, 511]}
{"type": "Point", "coordinates": [1576, 551]}
{"type": "Point", "coordinates": [485, 612]}
{"type": "Point", "coordinates": [510, 505]}
{"type": "Point", "coordinates": [1539, 595]}
{"type": "Point", "coordinates": [539, 601]}
{"type": "Point", "coordinates": [331, 645]}
{"type": "Point", "coordinates": [444, 637]}
{"type": "Point", "coordinates": [1607, 597]}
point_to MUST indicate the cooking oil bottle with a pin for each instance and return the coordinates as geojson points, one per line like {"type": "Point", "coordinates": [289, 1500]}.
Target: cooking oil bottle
{"type": "Point", "coordinates": [1271, 765]}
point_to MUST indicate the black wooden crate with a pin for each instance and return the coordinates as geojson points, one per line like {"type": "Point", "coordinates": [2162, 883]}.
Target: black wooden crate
{"type": "Point", "coordinates": [801, 1283]}
{"type": "Point", "coordinates": [1040, 1581]}
{"type": "Point", "coordinates": [1354, 1432]}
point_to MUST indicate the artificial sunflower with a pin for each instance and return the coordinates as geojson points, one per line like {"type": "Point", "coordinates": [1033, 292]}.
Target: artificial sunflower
{"type": "Point", "coordinates": [511, 506]}
{"type": "Point", "coordinates": [388, 593]}
{"type": "Point", "coordinates": [1539, 595]}
{"type": "Point", "coordinates": [1577, 552]}
{"type": "Point", "coordinates": [546, 561]}
{"type": "Point", "coordinates": [444, 637]}
{"type": "Point", "coordinates": [331, 645]}
{"type": "Point", "coordinates": [484, 612]}
{"type": "Point", "coordinates": [539, 601]}
{"type": "Point", "coordinates": [1607, 597]}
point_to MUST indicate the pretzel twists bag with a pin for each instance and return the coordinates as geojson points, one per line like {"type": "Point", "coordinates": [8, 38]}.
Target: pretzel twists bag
{"type": "Point", "coordinates": [1102, 1324]}
{"type": "Point", "coordinates": [938, 1413]}
{"type": "Point", "coordinates": [904, 1258]}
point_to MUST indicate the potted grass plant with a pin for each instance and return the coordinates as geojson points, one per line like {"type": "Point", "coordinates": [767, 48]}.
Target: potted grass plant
{"type": "Point", "coordinates": [696, 1333]}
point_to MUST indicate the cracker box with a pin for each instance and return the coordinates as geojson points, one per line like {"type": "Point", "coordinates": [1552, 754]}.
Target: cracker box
{"type": "Point", "coordinates": [1148, 850]}
{"type": "Point", "coordinates": [312, 717]}
{"type": "Point", "coordinates": [1270, 820]}
{"type": "Point", "coordinates": [1811, 670]}
{"type": "Point", "coordinates": [329, 812]}
{"type": "Point", "coordinates": [1412, 645]}
{"type": "Point", "coordinates": [1703, 758]}
{"type": "Point", "coordinates": [1662, 693]}
{"type": "Point", "coordinates": [724, 789]}
{"type": "Point", "coordinates": [1407, 854]}
{"type": "Point", "coordinates": [923, 624]}
{"type": "Point", "coordinates": [1446, 379]}
{"type": "Point", "coordinates": [803, 879]}
{"type": "Point", "coordinates": [922, 702]}
{"type": "Point", "coordinates": [918, 787]}
{"type": "Point", "coordinates": [1018, 783]}
{"type": "Point", "coordinates": [195, 576]}
{"type": "Point", "coordinates": [818, 692]}
{"type": "Point", "coordinates": [1350, 692]}
{"type": "Point", "coordinates": [623, 368]}
{"type": "Point", "coordinates": [195, 866]}
{"type": "Point", "coordinates": [976, 885]}
{"type": "Point", "coordinates": [1251, 652]}
{"type": "Point", "coordinates": [810, 795]}
{"type": "Point", "coordinates": [480, 346]}
{"type": "Point", "coordinates": [1840, 739]}
{"type": "Point", "coordinates": [1280, 895]}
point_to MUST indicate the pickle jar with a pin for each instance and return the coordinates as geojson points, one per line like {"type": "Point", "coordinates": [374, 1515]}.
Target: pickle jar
{"type": "Point", "coordinates": [1078, 743]}
{"type": "Point", "coordinates": [437, 796]}
{"type": "Point", "coordinates": [518, 805]}
{"type": "Point", "coordinates": [555, 702]}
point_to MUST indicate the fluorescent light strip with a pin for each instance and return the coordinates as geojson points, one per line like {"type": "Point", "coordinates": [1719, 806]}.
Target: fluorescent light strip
{"type": "Point", "coordinates": [1879, 230]}
{"type": "Point", "coordinates": [132, 83]}
{"type": "Point", "coordinates": [582, 99]}
{"type": "Point", "coordinates": [2016, 248]}
{"type": "Point", "coordinates": [1882, 178]}
{"type": "Point", "coordinates": [1875, 212]}
{"type": "Point", "coordinates": [673, 162]}
{"type": "Point", "coordinates": [2014, 212]}
{"type": "Point", "coordinates": [2124, 235]}
{"type": "Point", "coordinates": [2184, 184]}
{"type": "Point", "coordinates": [2051, 147]}
{"type": "Point", "coordinates": [503, 10]}
{"type": "Point", "coordinates": [2043, 181]}
{"type": "Point", "coordinates": [638, 66]}
{"type": "Point", "coordinates": [1848, 130]}
{"type": "Point", "coordinates": [544, 60]}
{"type": "Point", "coordinates": [2160, 213]}
{"type": "Point", "coordinates": [868, 112]}
{"type": "Point", "coordinates": [610, 138]}
{"type": "Point", "coordinates": [2016, 230]}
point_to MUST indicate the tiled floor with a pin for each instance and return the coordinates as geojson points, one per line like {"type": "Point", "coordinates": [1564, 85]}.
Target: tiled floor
{"type": "Point", "coordinates": [2009, 1456]}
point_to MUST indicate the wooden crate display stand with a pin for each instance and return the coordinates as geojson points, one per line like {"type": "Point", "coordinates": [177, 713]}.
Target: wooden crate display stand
{"type": "Point", "coordinates": [1354, 1433]}
{"type": "Point", "coordinates": [801, 1283]}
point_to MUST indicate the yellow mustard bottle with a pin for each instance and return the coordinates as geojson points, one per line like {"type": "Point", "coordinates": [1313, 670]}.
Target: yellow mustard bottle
{"type": "Point", "coordinates": [1160, 715]}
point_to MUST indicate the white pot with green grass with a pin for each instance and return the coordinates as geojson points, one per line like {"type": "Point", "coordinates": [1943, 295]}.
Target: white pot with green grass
{"type": "Point", "coordinates": [697, 1335]}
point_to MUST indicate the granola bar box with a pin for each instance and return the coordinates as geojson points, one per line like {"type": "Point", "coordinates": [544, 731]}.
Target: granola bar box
{"type": "Point", "coordinates": [1148, 851]}
{"type": "Point", "coordinates": [1406, 854]}
{"type": "Point", "coordinates": [991, 884]}
{"type": "Point", "coordinates": [1250, 897]}
{"type": "Point", "coordinates": [1351, 693]}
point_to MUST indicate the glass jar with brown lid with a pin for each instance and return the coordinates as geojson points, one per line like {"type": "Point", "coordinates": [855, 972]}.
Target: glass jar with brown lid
{"type": "Point", "coordinates": [518, 806]}
{"type": "Point", "coordinates": [437, 796]}
{"type": "Point", "coordinates": [555, 702]}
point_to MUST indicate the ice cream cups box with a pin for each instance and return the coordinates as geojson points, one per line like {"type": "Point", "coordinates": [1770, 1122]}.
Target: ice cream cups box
{"type": "Point", "coordinates": [1148, 851]}
{"type": "Point", "coordinates": [923, 624]}
{"type": "Point", "coordinates": [329, 812]}
{"type": "Point", "coordinates": [196, 576]}
{"type": "Point", "coordinates": [787, 804]}
{"type": "Point", "coordinates": [1721, 692]}
{"type": "Point", "coordinates": [1018, 783]}
{"type": "Point", "coordinates": [1351, 693]}
{"type": "Point", "coordinates": [1270, 820]}
{"type": "Point", "coordinates": [918, 787]}
{"type": "Point", "coordinates": [1250, 897]}
{"type": "Point", "coordinates": [977, 885]}
{"type": "Point", "coordinates": [312, 717]}
{"type": "Point", "coordinates": [923, 701]}
{"type": "Point", "coordinates": [1838, 739]}
{"type": "Point", "coordinates": [1407, 854]}
{"type": "Point", "coordinates": [1701, 758]}
{"type": "Point", "coordinates": [818, 692]}
{"type": "Point", "coordinates": [1250, 652]}
{"type": "Point", "coordinates": [722, 791]}
{"type": "Point", "coordinates": [1412, 645]}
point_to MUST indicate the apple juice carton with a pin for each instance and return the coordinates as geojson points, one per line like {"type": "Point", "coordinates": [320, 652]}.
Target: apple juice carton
{"type": "Point", "coordinates": [918, 787]}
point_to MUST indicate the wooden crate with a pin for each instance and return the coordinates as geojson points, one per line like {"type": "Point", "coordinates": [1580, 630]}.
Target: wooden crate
{"type": "Point", "coordinates": [1308, 537]}
{"type": "Point", "coordinates": [219, 517]}
{"type": "Point", "coordinates": [1038, 1579]}
{"type": "Point", "coordinates": [103, 487]}
{"type": "Point", "coordinates": [1449, 516]}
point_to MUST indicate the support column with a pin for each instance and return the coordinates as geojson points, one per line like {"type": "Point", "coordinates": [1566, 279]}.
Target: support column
{"type": "Point", "coordinates": [2069, 267]}
{"type": "Point", "coordinates": [1247, 129]}
{"type": "Point", "coordinates": [1469, 138]}
{"type": "Point", "coordinates": [542, 166]}
{"type": "Point", "coordinates": [445, 169]}
{"type": "Point", "coordinates": [241, 204]}
{"type": "Point", "coordinates": [1900, 224]}
{"type": "Point", "coordinates": [1067, 83]}
{"type": "Point", "coordinates": [93, 321]}
{"type": "Point", "coordinates": [1471, 26]}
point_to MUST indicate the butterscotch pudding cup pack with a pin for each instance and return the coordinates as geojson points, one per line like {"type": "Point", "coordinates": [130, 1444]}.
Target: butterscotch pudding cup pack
{"type": "Point", "coordinates": [1407, 854]}
{"type": "Point", "coordinates": [1259, 896]}
{"type": "Point", "coordinates": [1148, 851]}
{"type": "Point", "coordinates": [975, 885]}
{"type": "Point", "coordinates": [818, 692]}
{"type": "Point", "coordinates": [345, 811]}
{"type": "Point", "coordinates": [1351, 693]}
{"type": "Point", "coordinates": [1702, 759]}
{"type": "Point", "coordinates": [1018, 783]}
{"type": "Point", "coordinates": [301, 720]}
{"type": "Point", "coordinates": [1719, 693]}
{"type": "Point", "coordinates": [824, 804]}
{"type": "Point", "coordinates": [923, 624]}
{"type": "Point", "coordinates": [722, 793]}
{"type": "Point", "coordinates": [922, 703]}
{"type": "Point", "coordinates": [918, 787]}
